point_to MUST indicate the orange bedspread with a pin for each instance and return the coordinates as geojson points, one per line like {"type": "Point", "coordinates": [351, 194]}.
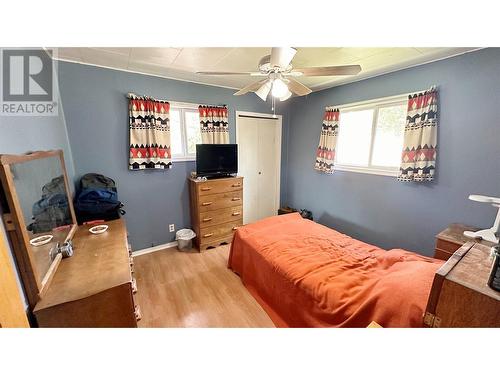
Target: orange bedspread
{"type": "Point", "coordinates": [307, 275]}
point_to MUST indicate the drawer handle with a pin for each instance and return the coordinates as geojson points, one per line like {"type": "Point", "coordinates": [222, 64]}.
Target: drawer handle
{"type": "Point", "coordinates": [206, 188]}
{"type": "Point", "coordinates": [235, 185]}
{"type": "Point", "coordinates": [235, 199]}
{"type": "Point", "coordinates": [234, 228]}
{"type": "Point", "coordinates": [207, 219]}
{"type": "Point", "coordinates": [236, 213]}
{"type": "Point", "coordinates": [137, 312]}
{"type": "Point", "coordinates": [206, 203]}
{"type": "Point", "coordinates": [208, 235]}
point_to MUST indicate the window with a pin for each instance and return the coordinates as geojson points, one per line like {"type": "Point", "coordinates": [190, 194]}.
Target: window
{"type": "Point", "coordinates": [184, 132]}
{"type": "Point", "coordinates": [370, 138]}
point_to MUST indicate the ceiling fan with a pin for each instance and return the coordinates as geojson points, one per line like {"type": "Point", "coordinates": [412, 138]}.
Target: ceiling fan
{"type": "Point", "coordinates": [279, 73]}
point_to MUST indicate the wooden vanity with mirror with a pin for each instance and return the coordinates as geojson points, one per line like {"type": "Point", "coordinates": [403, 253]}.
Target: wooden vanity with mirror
{"type": "Point", "coordinates": [92, 288]}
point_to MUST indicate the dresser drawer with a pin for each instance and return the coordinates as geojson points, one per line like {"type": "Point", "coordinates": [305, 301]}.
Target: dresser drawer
{"type": "Point", "coordinates": [208, 234]}
{"type": "Point", "coordinates": [223, 215]}
{"type": "Point", "coordinates": [442, 254]}
{"type": "Point", "coordinates": [447, 246]}
{"type": "Point", "coordinates": [223, 200]}
{"type": "Point", "coordinates": [445, 249]}
{"type": "Point", "coordinates": [215, 243]}
{"type": "Point", "coordinates": [219, 186]}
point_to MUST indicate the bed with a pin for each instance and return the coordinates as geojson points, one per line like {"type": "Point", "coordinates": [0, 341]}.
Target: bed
{"type": "Point", "coordinates": [307, 275]}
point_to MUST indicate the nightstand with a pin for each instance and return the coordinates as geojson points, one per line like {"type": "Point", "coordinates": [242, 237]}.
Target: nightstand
{"type": "Point", "coordinates": [450, 240]}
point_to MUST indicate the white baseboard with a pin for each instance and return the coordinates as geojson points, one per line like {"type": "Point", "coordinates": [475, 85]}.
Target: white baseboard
{"type": "Point", "coordinates": [154, 248]}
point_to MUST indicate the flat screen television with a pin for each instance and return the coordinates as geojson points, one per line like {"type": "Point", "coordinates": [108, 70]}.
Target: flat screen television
{"type": "Point", "coordinates": [216, 160]}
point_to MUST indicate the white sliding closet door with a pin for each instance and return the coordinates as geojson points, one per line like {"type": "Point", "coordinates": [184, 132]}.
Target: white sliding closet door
{"type": "Point", "coordinates": [259, 160]}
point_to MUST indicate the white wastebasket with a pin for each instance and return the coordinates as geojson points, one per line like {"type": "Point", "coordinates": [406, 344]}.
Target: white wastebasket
{"type": "Point", "coordinates": [184, 239]}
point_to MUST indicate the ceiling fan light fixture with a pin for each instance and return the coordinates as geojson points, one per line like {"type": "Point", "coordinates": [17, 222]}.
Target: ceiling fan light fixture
{"type": "Point", "coordinates": [263, 90]}
{"type": "Point", "coordinates": [280, 89]}
{"type": "Point", "coordinates": [286, 97]}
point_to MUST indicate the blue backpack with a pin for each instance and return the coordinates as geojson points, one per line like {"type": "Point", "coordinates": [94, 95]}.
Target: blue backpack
{"type": "Point", "coordinates": [97, 199]}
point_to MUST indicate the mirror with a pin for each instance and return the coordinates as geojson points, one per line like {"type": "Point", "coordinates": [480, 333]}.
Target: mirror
{"type": "Point", "coordinates": [43, 199]}
{"type": "Point", "coordinates": [41, 206]}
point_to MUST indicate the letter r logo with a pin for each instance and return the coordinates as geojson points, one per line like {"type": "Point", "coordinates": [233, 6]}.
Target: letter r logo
{"type": "Point", "coordinates": [27, 75]}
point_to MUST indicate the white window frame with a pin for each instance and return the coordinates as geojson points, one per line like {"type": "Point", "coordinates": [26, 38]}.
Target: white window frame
{"type": "Point", "coordinates": [182, 108]}
{"type": "Point", "coordinates": [374, 104]}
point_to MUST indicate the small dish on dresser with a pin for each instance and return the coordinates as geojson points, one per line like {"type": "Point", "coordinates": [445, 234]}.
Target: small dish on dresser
{"type": "Point", "coordinates": [98, 229]}
{"type": "Point", "coordinates": [41, 240]}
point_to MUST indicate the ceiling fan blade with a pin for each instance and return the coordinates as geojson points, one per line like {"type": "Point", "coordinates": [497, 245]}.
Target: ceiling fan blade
{"type": "Point", "coordinates": [343, 70]}
{"type": "Point", "coordinates": [228, 73]}
{"type": "Point", "coordinates": [282, 56]}
{"type": "Point", "coordinates": [264, 90]}
{"type": "Point", "coordinates": [251, 87]}
{"type": "Point", "coordinates": [297, 87]}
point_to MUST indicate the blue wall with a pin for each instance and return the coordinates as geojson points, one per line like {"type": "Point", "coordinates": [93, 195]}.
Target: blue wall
{"type": "Point", "coordinates": [381, 210]}
{"type": "Point", "coordinates": [19, 134]}
{"type": "Point", "coordinates": [96, 112]}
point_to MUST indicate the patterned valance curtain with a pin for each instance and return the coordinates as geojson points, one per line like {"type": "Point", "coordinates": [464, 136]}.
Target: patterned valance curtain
{"type": "Point", "coordinates": [420, 138]}
{"type": "Point", "coordinates": [325, 154]}
{"type": "Point", "coordinates": [149, 133]}
{"type": "Point", "coordinates": [214, 124]}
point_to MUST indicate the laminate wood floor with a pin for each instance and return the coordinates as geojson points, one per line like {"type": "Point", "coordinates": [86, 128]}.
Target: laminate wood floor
{"type": "Point", "coordinates": [192, 289]}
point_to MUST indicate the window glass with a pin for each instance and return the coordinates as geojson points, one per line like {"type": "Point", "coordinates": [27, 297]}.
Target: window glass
{"type": "Point", "coordinates": [193, 133]}
{"type": "Point", "coordinates": [175, 133]}
{"type": "Point", "coordinates": [388, 142]}
{"type": "Point", "coordinates": [355, 132]}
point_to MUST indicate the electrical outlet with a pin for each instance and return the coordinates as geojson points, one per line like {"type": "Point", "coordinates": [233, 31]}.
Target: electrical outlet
{"type": "Point", "coordinates": [171, 227]}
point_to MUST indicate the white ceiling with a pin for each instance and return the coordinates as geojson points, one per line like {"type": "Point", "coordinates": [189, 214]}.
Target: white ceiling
{"type": "Point", "coordinates": [182, 63]}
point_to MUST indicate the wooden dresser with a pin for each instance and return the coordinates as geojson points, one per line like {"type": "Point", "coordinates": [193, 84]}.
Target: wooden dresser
{"type": "Point", "coordinates": [451, 239]}
{"type": "Point", "coordinates": [216, 210]}
{"type": "Point", "coordinates": [460, 295]}
{"type": "Point", "coordinates": [94, 287]}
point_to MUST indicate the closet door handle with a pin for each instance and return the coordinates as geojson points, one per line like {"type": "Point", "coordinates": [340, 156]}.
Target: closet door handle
{"type": "Point", "coordinates": [235, 199]}
{"type": "Point", "coordinates": [208, 235]}
{"type": "Point", "coordinates": [206, 188]}
{"type": "Point", "coordinates": [236, 214]}
{"type": "Point", "coordinates": [207, 219]}
{"type": "Point", "coordinates": [206, 203]}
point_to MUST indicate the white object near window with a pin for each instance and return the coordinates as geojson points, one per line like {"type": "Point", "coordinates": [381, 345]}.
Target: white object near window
{"type": "Point", "coordinates": [370, 136]}
{"type": "Point", "coordinates": [184, 131]}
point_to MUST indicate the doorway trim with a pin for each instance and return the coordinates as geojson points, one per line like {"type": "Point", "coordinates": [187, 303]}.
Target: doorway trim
{"type": "Point", "coordinates": [279, 119]}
